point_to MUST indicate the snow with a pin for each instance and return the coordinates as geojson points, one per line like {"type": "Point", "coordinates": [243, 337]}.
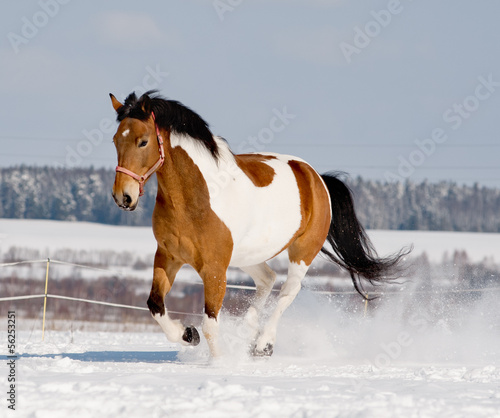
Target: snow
{"type": "Point", "coordinates": [324, 365]}
{"type": "Point", "coordinates": [54, 236]}
{"type": "Point", "coordinates": [402, 359]}
{"type": "Point", "coordinates": [478, 246]}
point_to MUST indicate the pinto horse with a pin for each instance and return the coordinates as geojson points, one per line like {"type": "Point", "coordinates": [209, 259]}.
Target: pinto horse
{"type": "Point", "coordinates": [265, 203]}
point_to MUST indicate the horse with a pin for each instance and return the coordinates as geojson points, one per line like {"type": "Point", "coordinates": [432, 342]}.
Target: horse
{"type": "Point", "coordinates": [215, 209]}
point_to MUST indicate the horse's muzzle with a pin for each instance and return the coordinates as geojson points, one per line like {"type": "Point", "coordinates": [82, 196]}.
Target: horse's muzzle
{"type": "Point", "coordinates": [125, 202]}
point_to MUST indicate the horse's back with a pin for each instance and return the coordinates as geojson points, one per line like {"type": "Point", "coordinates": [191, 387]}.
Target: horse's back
{"type": "Point", "coordinates": [265, 203]}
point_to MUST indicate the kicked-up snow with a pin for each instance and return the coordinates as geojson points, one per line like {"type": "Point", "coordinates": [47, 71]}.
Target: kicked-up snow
{"type": "Point", "coordinates": [394, 362]}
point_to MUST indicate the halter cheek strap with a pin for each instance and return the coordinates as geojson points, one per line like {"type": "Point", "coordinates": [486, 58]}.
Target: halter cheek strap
{"type": "Point", "coordinates": [142, 179]}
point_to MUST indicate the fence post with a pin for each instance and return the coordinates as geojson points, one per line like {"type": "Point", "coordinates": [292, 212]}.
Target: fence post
{"type": "Point", "coordinates": [45, 298]}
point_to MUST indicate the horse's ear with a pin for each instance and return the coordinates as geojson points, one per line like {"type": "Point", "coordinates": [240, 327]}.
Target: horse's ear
{"type": "Point", "coordinates": [145, 103]}
{"type": "Point", "coordinates": [116, 104]}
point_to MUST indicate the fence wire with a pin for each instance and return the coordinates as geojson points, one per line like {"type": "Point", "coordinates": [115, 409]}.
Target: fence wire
{"type": "Point", "coordinates": [229, 286]}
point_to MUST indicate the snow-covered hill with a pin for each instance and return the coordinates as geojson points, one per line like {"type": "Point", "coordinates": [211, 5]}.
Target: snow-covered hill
{"type": "Point", "coordinates": [49, 237]}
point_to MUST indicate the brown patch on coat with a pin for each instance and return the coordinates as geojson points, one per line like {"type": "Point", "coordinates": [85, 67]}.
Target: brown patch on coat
{"type": "Point", "coordinates": [188, 231]}
{"type": "Point", "coordinates": [315, 212]}
{"type": "Point", "coordinates": [254, 166]}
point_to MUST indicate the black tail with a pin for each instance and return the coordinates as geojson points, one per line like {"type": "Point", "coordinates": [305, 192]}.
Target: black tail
{"type": "Point", "coordinates": [351, 246]}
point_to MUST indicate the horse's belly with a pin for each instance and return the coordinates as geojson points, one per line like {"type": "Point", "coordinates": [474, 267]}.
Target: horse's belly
{"type": "Point", "coordinates": [262, 220]}
{"type": "Point", "coordinates": [262, 242]}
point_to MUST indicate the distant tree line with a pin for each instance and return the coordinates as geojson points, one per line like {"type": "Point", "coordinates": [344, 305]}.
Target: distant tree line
{"type": "Point", "coordinates": [78, 194]}
{"type": "Point", "coordinates": [84, 194]}
{"type": "Point", "coordinates": [442, 206]}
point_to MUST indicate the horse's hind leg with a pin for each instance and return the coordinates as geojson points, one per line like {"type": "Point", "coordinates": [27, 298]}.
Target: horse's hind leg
{"type": "Point", "coordinates": [264, 278]}
{"type": "Point", "coordinates": [316, 216]}
{"type": "Point", "coordinates": [165, 270]}
{"type": "Point", "coordinates": [289, 290]}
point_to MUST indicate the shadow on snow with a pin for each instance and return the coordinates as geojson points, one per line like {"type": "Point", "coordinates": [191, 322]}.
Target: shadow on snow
{"type": "Point", "coordinates": [109, 356]}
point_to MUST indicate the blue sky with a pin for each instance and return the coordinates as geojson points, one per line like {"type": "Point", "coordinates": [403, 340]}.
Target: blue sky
{"type": "Point", "coordinates": [383, 89]}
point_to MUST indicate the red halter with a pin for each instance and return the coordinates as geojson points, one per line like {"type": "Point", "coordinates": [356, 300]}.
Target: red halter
{"type": "Point", "coordinates": [142, 179]}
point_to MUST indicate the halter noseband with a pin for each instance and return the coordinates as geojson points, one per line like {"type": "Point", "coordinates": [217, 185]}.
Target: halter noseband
{"type": "Point", "coordinates": [142, 179]}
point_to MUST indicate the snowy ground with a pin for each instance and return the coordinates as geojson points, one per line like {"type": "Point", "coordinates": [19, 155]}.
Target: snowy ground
{"type": "Point", "coordinates": [413, 357]}
{"type": "Point", "coordinates": [326, 364]}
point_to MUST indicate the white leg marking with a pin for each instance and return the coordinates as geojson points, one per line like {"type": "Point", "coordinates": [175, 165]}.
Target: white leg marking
{"type": "Point", "coordinates": [210, 328]}
{"type": "Point", "coordinates": [288, 292]}
{"type": "Point", "coordinates": [264, 278]}
{"type": "Point", "coordinates": [172, 328]}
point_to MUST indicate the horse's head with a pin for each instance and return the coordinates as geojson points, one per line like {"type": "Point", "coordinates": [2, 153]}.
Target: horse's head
{"type": "Point", "coordinates": [140, 154]}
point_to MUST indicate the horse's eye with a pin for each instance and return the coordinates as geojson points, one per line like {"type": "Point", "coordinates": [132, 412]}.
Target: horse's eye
{"type": "Point", "coordinates": [143, 144]}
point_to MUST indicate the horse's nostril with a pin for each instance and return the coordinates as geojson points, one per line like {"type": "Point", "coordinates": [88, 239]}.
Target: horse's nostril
{"type": "Point", "coordinates": [127, 200]}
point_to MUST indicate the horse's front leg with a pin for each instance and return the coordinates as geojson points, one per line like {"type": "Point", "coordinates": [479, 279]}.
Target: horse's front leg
{"type": "Point", "coordinates": [214, 281]}
{"type": "Point", "coordinates": [165, 270]}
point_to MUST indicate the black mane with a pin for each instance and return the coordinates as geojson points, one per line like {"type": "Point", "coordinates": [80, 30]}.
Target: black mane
{"type": "Point", "coordinates": [171, 115]}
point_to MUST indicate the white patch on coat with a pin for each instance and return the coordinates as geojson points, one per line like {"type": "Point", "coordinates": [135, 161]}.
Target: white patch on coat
{"type": "Point", "coordinates": [262, 220]}
{"type": "Point", "coordinates": [125, 132]}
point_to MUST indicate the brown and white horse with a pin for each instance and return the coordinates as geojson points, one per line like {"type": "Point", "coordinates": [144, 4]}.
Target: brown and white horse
{"type": "Point", "coordinates": [215, 209]}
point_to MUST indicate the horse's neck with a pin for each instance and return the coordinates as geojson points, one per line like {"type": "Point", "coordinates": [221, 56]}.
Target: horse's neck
{"type": "Point", "coordinates": [188, 172]}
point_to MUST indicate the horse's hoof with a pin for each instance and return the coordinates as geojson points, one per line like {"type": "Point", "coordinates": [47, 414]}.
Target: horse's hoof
{"type": "Point", "coordinates": [266, 352]}
{"type": "Point", "coordinates": [191, 335]}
